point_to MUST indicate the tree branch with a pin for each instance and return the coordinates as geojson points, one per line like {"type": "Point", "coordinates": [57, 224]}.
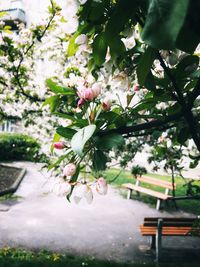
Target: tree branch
{"type": "Point", "coordinates": [186, 109]}
{"type": "Point", "coordinates": [17, 74]}
{"type": "Point", "coordinates": [179, 97]}
{"type": "Point", "coordinates": [144, 126]}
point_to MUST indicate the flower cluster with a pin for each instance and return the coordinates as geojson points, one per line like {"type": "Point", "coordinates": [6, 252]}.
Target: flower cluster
{"type": "Point", "coordinates": [83, 189]}
{"type": "Point", "coordinates": [88, 93]}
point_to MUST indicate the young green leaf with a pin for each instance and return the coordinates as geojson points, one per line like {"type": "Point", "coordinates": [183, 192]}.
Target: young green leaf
{"type": "Point", "coordinates": [57, 89]}
{"type": "Point", "coordinates": [65, 132]}
{"type": "Point", "coordinates": [100, 49]}
{"type": "Point", "coordinates": [81, 137]}
{"type": "Point", "coordinates": [144, 66]}
{"type": "Point", "coordinates": [53, 102]}
{"type": "Point", "coordinates": [99, 160]}
{"type": "Point", "coordinates": [110, 141]}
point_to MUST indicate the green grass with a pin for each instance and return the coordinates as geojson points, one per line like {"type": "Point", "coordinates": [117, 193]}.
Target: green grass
{"type": "Point", "coordinates": [9, 196]}
{"type": "Point", "coordinates": [192, 206]}
{"type": "Point", "coordinates": [22, 258]}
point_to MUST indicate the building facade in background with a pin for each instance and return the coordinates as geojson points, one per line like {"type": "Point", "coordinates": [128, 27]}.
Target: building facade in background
{"type": "Point", "coordinates": [35, 12]}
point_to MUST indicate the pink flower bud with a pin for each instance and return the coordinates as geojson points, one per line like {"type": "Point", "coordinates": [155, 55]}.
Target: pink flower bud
{"type": "Point", "coordinates": [102, 186]}
{"type": "Point", "coordinates": [136, 87]}
{"type": "Point", "coordinates": [70, 169]}
{"type": "Point", "coordinates": [106, 104]}
{"type": "Point", "coordinates": [96, 88]}
{"type": "Point", "coordinates": [81, 102]}
{"type": "Point", "coordinates": [88, 94]}
{"type": "Point", "coordinates": [80, 91]}
{"type": "Point", "coordinates": [59, 145]}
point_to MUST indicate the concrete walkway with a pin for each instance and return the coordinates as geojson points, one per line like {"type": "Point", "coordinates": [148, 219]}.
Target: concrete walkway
{"type": "Point", "coordinates": [107, 229]}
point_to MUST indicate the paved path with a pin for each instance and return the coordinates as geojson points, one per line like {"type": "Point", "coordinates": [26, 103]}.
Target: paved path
{"type": "Point", "coordinates": [106, 229]}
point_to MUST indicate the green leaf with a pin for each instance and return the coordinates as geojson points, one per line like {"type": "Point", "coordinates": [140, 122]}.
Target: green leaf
{"type": "Point", "coordinates": [117, 47]}
{"type": "Point", "coordinates": [150, 82]}
{"type": "Point", "coordinates": [100, 49]}
{"type": "Point", "coordinates": [57, 89]}
{"type": "Point", "coordinates": [144, 66]}
{"type": "Point", "coordinates": [161, 96]}
{"type": "Point", "coordinates": [189, 36]}
{"type": "Point", "coordinates": [195, 74]}
{"type": "Point", "coordinates": [81, 137]}
{"type": "Point", "coordinates": [66, 116]}
{"type": "Point", "coordinates": [123, 11]}
{"type": "Point", "coordinates": [164, 22]}
{"type": "Point", "coordinates": [99, 160]}
{"type": "Point", "coordinates": [53, 102]}
{"type": "Point", "coordinates": [91, 64]}
{"type": "Point", "coordinates": [110, 141]}
{"type": "Point", "coordinates": [56, 138]}
{"type": "Point", "coordinates": [53, 165]}
{"type": "Point", "coordinates": [65, 132]}
{"type": "Point", "coordinates": [63, 20]}
{"type": "Point", "coordinates": [145, 104]}
{"type": "Point", "coordinates": [187, 66]}
{"type": "Point", "coordinates": [76, 122]}
{"type": "Point", "coordinates": [72, 46]}
{"type": "Point", "coordinates": [183, 135]}
{"type": "Point", "coordinates": [194, 164]}
{"type": "Point", "coordinates": [3, 13]}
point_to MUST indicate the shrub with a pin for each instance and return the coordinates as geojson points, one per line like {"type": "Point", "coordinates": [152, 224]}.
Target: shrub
{"type": "Point", "coordinates": [138, 171]}
{"type": "Point", "coordinates": [14, 146]}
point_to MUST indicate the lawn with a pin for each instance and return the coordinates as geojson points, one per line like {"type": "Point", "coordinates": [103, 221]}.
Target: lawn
{"type": "Point", "coordinates": [126, 177]}
{"type": "Point", "coordinates": [22, 258]}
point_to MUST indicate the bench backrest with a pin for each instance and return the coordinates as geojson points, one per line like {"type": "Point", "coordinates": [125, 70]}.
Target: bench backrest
{"type": "Point", "coordinates": [154, 181]}
{"type": "Point", "coordinates": [173, 222]}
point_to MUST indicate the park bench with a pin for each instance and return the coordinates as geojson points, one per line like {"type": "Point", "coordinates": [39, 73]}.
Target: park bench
{"type": "Point", "coordinates": [150, 181]}
{"type": "Point", "coordinates": [158, 227]}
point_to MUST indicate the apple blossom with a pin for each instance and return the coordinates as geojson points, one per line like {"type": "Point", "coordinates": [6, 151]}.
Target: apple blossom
{"type": "Point", "coordinates": [136, 87]}
{"type": "Point", "coordinates": [88, 94]}
{"type": "Point", "coordinates": [81, 102]}
{"type": "Point", "coordinates": [83, 191]}
{"type": "Point", "coordinates": [101, 186]}
{"type": "Point", "coordinates": [59, 145]}
{"type": "Point", "coordinates": [96, 88]}
{"type": "Point", "coordinates": [70, 169]}
{"type": "Point", "coordinates": [106, 104]}
{"type": "Point", "coordinates": [80, 91]}
{"type": "Point", "coordinates": [81, 39]}
{"type": "Point", "coordinates": [62, 189]}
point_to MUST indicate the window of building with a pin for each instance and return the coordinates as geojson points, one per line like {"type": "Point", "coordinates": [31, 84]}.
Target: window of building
{"type": "Point", "coordinates": [16, 4]}
{"type": "Point", "coordinates": [10, 4]}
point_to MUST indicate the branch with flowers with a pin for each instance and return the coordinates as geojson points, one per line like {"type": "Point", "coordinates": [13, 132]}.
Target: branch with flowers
{"type": "Point", "coordinates": [160, 91]}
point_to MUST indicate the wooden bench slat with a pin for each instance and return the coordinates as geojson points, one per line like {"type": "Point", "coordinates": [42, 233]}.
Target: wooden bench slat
{"type": "Point", "coordinates": [170, 224]}
{"type": "Point", "coordinates": [152, 230]}
{"type": "Point", "coordinates": [168, 219]}
{"type": "Point", "coordinates": [166, 228]}
{"type": "Point", "coordinates": [154, 181]}
{"type": "Point", "coordinates": [147, 191]}
{"type": "Point", "coordinates": [167, 234]}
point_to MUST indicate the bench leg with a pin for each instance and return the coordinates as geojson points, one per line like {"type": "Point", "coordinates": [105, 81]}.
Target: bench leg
{"type": "Point", "coordinates": [138, 194]}
{"type": "Point", "coordinates": [159, 240]}
{"type": "Point", "coordinates": [158, 204]}
{"type": "Point", "coordinates": [153, 242]}
{"type": "Point", "coordinates": [129, 193]}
